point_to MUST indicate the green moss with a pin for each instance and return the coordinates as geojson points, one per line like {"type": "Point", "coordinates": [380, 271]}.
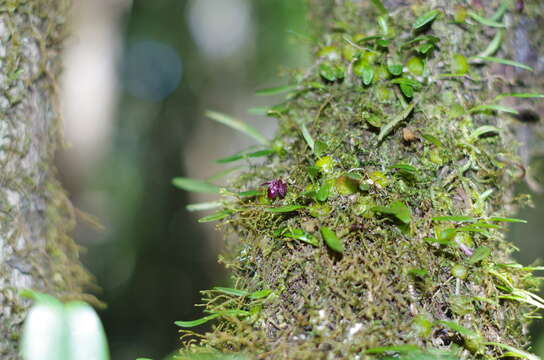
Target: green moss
{"type": "Point", "coordinates": [401, 278]}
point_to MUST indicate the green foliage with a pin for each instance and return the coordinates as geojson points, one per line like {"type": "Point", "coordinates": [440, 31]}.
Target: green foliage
{"type": "Point", "coordinates": [385, 245]}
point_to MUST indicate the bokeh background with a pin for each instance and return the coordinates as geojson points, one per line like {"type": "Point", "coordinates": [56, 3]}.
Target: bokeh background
{"type": "Point", "coordinates": [139, 75]}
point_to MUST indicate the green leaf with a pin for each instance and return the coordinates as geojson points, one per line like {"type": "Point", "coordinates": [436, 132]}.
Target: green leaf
{"type": "Point", "coordinates": [379, 5]}
{"type": "Point", "coordinates": [458, 218]}
{"type": "Point", "coordinates": [407, 90]}
{"type": "Point", "coordinates": [521, 95]}
{"type": "Point", "coordinates": [320, 148]}
{"type": "Point", "coordinates": [193, 185]}
{"type": "Point", "coordinates": [479, 254]}
{"type": "Point", "coordinates": [215, 217]}
{"type": "Point", "coordinates": [465, 332]}
{"type": "Point", "coordinates": [205, 319]}
{"type": "Point", "coordinates": [485, 21]}
{"type": "Point", "coordinates": [197, 322]}
{"type": "Point", "coordinates": [367, 74]}
{"type": "Point", "coordinates": [504, 219]}
{"type": "Point", "coordinates": [238, 125]}
{"type": "Point", "coordinates": [398, 209]}
{"type": "Point", "coordinates": [204, 206]}
{"type": "Point", "coordinates": [503, 61]}
{"type": "Point", "coordinates": [483, 130]}
{"type": "Point", "coordinates": [324, 191]}
{"type": "Point", "coordinates": [307, 136]}
{"type": "Point", "coordinates": [432, 139]}
{"type": "Point", "coordinates": [332, 240]}
{"type": "Point", "coordinates": [56, 331]}
{"type": "Point", "coordinates": [245, 155]}
{"type": "Point", "coordinates": [299, 234]}
{"type": "Point", "coordinates": [231, 291]}
{"type": "Point", "coordinates": [502, 108]}
{"type": "Point", "coordinates": [284, 209]}
{"type": "Point", "coordinates": [404, 167]}
{"type": "Point", "coordinates": [250, 193]}
{"type": "Point", "coordinates": [424, 48]}
{"type": "Point", "coordinates": [395, 349]}
{"type": "Point", "coordinates": [406, 81]}
{"type": "Point", "coordinates": [276, 90]}
{"type": "Point", "coordinates": [513, 352]}
{"type": "Point", "coordinates": [425, 19]}
{"type": "Point", "coordinates": [328, 72]}
{"type": "Point", "coordinates": [260, 294]}
{"type": "Point", "coordinates": [395, 69]}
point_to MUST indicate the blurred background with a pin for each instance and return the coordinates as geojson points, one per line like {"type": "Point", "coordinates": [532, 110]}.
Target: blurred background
{"type": "Point", "coordinates": [139, 75]}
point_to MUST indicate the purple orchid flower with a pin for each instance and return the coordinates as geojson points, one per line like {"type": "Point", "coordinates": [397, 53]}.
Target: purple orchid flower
{"type": "Point", "coordinates": [276, 188]}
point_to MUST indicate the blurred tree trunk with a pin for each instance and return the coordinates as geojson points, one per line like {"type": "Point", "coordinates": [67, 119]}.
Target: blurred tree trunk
{"type": "Point", "coordinates": [35, 214]}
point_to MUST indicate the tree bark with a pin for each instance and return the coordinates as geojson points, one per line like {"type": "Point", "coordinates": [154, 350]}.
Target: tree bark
{"type": "Point", "coordinates": [406, 157]}
{"type": "Point", "coordinates": [36, 251]}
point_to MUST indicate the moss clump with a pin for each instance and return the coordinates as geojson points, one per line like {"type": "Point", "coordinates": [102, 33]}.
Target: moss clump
{"type": "Point", "coordinates": [391, 232]}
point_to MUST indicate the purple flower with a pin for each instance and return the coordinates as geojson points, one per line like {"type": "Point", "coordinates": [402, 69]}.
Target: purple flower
{"type": "Point", "coordinates": [276, 188]}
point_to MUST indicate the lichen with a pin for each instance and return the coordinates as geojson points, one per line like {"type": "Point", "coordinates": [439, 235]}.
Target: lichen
{"type": "Point", "coordinates": [386, 145]}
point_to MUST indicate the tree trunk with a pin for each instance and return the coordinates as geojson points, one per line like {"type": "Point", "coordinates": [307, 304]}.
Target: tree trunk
{"type": "Point", "coordinates": [401, 159]}
{"type": "Point", "coordinates": [36, 251]}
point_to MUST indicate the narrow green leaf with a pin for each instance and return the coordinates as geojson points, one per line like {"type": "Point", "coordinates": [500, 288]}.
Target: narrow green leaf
{"type": "Point", "coordinates": [425, 19]}
{"type": "Point", "coordinates": [494, 44]}
{"type": "Point", "coordinates": [197, 322]}
{"type": "Point", "coordinates": [332, 240]}
{"type": "Point", "coordinates": [307, 136]}
{"type": "Point", "coordinates": [230, 291]}
{"type": "Point", "coordinates": [260, 294]}
{"type": "Point", "coordinates": [379, 5]}
{"type": "Point", "coordinates": [215, 217]}
{"type": "Point", "coordinates": [284, 209]}
{"type": "Point", "coordinates": [521, 95]}
{"type": "Point", "coordinates": [458, 218]}
{"type": "Point", "coordinates": [251, 193]}
{"type": "Point", "coordinates": [276, 90]}
{"type": "Point", "coordinates": [485, 21]}
{"type": "Point", "coordinates": [437, 241]}
{"type": "Point", "coordinates": [406, 81]}
{"type": "Point", "coordinates": [483, 130]}
{"type": "Point", "coordinates": [404, 167]}
{"type": "Point", "coordinates": [502, 108]}
{"type": "Point", "coordinates": [205, 319]}
{"type": "Point", "coordinates": [504, 62]}
{"type": "Point", "coordinates": [432, 139]}
{"type": "Point", "coordinates": [514, 352]}
{"type": "Point", "coordinates": [504, 219]}
{"type": "Point", "coordinates": [479, 254]}
{"type": "Point", "coordinates": [203, 206]}
{"type": "Point", "coordinates": [245, 155]}
{"type": "Point", "coordinates": [424, 48]}
{"type": "Point", "coordinates": [387, 128]}
{"type": "Point", "coordinates": [394, 349]}
{"type": "Point", "coordinates": [193, 185]}
{"type": "Point", "coordinates": [238, 125]}
{"type": "Point", "coordinates": [299, 234]}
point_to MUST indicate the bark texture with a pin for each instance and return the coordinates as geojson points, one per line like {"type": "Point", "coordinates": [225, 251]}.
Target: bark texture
{"type": "Point", "coordinates": [400, 154]}
{"type": "Point", "coordinates": [36, 251]}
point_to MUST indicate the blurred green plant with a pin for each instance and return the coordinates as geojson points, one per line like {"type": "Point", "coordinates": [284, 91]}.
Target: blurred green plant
{"type": "Point", "coordinates": [57, 331]}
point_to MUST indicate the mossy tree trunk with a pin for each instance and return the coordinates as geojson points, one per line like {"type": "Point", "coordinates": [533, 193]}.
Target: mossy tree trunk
{"type": "Point", "coordinates": [400, 153]}
{"type": "Point", "coordinates": [36, 251]}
